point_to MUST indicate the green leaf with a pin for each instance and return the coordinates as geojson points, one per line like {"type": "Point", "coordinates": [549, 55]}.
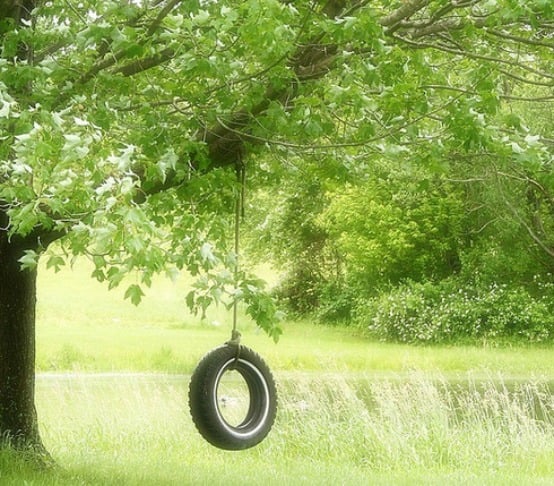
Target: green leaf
{"type": "Point", "coordinates": [5, 109]}
{"type": "Point", "coordinates": [29, 261]}
{"type": "Point", "coordinates": [114, 275]}
{"type": "Point", "coordinates": [190, 300]}
{"type": "Point", "coordinates": [55, 261]}
{"type": "Point", "coordinates": [134, 293]}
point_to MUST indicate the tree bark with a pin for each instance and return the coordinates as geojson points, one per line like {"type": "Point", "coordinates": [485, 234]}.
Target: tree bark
{"type": "Point", "coordinates": [18, 417]}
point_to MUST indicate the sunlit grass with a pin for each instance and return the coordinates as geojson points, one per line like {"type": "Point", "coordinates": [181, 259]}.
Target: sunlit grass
{"type": "Point", "coordinates": [351, 411]}
{"type": "Point", "coordinates": [83, 326]}
{"type": "Point", "coordinates": [329, 430]}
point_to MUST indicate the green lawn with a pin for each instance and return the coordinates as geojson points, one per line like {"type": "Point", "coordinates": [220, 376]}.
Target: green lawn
{"type": "Point", "coordinates": [111, 398]}
{"type": "Point", "coordinates": [84, 327]}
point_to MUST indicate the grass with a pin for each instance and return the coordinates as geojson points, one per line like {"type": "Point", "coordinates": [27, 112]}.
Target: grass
{"type": "Point", "coordinates": [84, 327]}
{"type": "Point", "coordinates": [350, 412]}
{"type": "Point", "coordinates": [330, 430]}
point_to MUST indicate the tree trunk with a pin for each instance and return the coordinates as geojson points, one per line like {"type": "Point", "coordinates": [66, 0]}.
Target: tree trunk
{"type": "Point", "coordinates": [18, 418]}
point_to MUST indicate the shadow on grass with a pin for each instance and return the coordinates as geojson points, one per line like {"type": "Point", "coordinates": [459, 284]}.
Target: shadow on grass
{"type": "Point", "coordinates": [22, 469]}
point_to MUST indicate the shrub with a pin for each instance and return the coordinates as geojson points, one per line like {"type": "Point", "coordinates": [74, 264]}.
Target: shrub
{"type": "Point", "coordinates": [445, 312]}
{"type": "Point", "coordinates": [298, 291]}
{"type": "Point", "coordinates": [394, 230]}
{"type": "Point", "coordinates": [336, 302]}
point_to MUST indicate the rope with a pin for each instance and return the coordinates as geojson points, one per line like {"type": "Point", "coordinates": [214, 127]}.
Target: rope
{"type": "Point", "coordinates": [239, 212]}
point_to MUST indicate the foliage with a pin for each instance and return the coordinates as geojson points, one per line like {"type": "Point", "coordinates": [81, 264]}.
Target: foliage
{"type": "Point", "coordinates": [450, 312]}
{"type": "Point", "coordinates": [118, 121]}
{"type": "Point", "coordinates": [357, 237]}
{"type": "Point", "coordinates": [507, 258]}
{"type": "Point", "coordinates": [120, 95]}
{"type": "Point", "coordinates": [233, 290]}
{"type": "Point", "coordinates": [282, 224]}
{"type": "Point", "coordinates": [394, 227]}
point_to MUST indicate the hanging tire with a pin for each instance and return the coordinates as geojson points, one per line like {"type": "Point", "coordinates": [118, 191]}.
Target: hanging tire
{"type": "Point", "coordinates": [208, 405]}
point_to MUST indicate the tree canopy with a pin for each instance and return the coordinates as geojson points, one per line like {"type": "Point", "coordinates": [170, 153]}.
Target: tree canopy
{"type": "Point", "coordinates": [119, 118]}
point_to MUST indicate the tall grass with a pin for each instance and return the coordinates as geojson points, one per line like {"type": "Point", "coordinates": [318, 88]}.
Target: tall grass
{"type": "Point", "coordinates": [418, 423]}
{"type": "Point", "coordinates": [330, 430]}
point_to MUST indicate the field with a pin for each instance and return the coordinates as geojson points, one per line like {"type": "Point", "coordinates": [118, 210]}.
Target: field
{"type": "Point", "coordinates": [112, 386]}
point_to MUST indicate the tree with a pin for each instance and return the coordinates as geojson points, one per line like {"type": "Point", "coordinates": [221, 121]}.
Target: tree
{"type": "Point", "coordinates": [396, 228]}
{"type": "Point", "coordinates": [123, 124]}
{"type": "Point", "coordinates": [464, 124]}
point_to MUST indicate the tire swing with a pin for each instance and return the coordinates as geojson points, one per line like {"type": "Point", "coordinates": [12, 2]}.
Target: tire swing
{"type": "Point", "coordinates": [223, 419]}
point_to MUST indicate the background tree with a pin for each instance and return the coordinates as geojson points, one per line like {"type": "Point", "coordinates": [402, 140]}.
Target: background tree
{"type": "Point", "coordinates": [463, 125]}
{"type": "Point", "coordinates": [122, 125]}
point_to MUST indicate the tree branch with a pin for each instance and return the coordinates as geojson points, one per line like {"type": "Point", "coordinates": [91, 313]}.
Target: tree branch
{"type": "Point", "coordinates": [549, 251]}
{"type": "Point", "coordinates": [164, 12]}
{"type": "Point", "coordinates": [104, 62]}
{"type": "Point", "coordinates": [409, 8]}
{"type": "Point", "coordinates": [519, 39]}
{"type": "Point", "coordinates": [101, 65]}
{"type": "Point", "coordinates": [521, 79]}
{"type": "Point", "coordinates": [535, 99]}
{"type": "Point", "coordinates": [472, 55]}
{"type": "Point", "coordinates": [142, 65]}
{"type": "Point", "coordinates": [446, 25]}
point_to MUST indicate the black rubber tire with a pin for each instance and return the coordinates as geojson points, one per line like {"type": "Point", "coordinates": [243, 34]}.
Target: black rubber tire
{"type": "Point", "coordinates": [203, 399]}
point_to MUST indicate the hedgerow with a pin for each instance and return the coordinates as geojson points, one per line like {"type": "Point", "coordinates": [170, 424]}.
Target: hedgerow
{"type": "Point", "coordinates": [447, 311]}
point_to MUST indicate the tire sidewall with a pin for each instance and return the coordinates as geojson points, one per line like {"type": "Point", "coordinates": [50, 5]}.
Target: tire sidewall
{"type": "Point", "coordinates": [203, 398]}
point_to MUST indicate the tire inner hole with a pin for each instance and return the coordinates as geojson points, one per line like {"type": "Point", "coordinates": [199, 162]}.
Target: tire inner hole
{"type": "Point", "coordinates": [233, 398]}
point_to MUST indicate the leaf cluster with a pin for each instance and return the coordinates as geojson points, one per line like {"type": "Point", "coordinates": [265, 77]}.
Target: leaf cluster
{"type": "Point", "coordinates": [117, 122]}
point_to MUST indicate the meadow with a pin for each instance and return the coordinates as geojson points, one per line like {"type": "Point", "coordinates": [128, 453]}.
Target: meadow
{"type": "Point", "coordinates": [112, 401]}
